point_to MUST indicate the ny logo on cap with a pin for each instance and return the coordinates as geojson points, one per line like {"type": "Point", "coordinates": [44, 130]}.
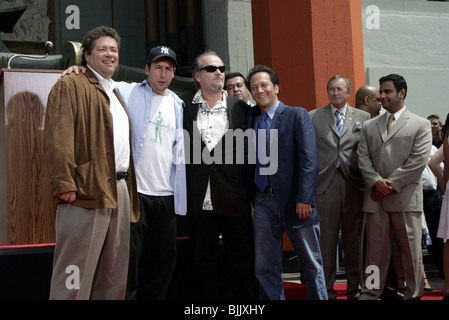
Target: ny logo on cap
{"type": "Point", "coordinates": [164, 50]}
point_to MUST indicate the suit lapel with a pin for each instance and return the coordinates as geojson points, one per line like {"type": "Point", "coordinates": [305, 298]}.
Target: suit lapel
{"type": "Point", "coordinates": [399, 124]}
{"type": "Point", "coordinates": [330, 118]}
{"type": "Point", "coordinates": [382, 125]}
{"type": "Point", "coordinates": [94, 80]}
{"type": "Point", "coordinates": [349, 119]}
{"type": "Point", "coordinates": [230, 110]}
{"type": "Point", "coordinates": [190, 117]}
{"type": "Point", "coordinates": [275, 124]}
{"type": "Point", "coordinates": [193, 110]}
{"type": "Point", "coordinates": [254, 112]}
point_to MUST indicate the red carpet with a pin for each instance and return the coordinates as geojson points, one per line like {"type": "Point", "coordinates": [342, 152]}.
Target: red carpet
{"type": "Point", "coordinates": [296, 291]}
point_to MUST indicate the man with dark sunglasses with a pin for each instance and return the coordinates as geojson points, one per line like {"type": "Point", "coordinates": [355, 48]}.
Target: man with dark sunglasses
{"type": "Point", "coordinates": [212, 69]}
{"type": "Point", "coordinates": [217, 195]}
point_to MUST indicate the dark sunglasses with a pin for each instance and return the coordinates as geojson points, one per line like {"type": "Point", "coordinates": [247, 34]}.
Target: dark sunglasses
{"type": "Point", "coordinates": [214, 68]}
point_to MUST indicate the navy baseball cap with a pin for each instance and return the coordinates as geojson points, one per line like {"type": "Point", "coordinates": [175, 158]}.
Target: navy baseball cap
{"type": "Point", "coordinates": [160, 52]}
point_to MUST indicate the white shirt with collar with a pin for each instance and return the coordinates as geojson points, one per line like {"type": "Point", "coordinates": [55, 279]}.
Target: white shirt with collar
{"type": "Point", "coordinates": [212, 121]}
{"type": "Point", "coordinates": [343, 110]}
{"type": "Point", "coordinates": [120, 122]}
{"type": "Point", "coordinates": [396, 115]}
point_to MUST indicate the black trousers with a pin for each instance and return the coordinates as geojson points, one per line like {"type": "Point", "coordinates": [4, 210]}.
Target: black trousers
{"type": "Point", "coordinates": [227, 271]}
{"type": "Point", "coordinates": [153, 249]}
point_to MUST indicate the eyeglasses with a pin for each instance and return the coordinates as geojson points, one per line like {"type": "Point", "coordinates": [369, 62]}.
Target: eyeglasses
{"type": "Point", "coordinates": [214, 68]}
{"type": "Point", "coordinates": [435, 124]}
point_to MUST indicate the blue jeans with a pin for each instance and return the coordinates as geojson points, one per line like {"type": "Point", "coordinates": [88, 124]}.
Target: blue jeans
{"type": "Point", "coordinates": [269, 227]}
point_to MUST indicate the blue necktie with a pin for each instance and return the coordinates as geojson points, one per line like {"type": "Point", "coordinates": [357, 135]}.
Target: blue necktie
{"type": "Point", "coordinates": [340, 123]}
{"type": "Point", "coordinates": [261, 180]}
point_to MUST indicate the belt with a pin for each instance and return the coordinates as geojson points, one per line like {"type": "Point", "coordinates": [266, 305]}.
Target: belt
{"type": "Point", "coordinates": [429, 191]}
{"type": "Point", "coordinates": [269, 191]}
{"type": "Point", "coordinates": [121, 175]}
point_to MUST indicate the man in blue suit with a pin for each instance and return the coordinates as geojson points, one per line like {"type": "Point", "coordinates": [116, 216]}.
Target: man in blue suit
{"type": "Point", "coordinates": [285, 198]}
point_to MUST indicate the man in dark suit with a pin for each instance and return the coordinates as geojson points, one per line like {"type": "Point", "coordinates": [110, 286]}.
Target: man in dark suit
{"type": "Point", "coordinates": [217, 194]}
{"type": "Point", "coordinates": [340, 183]}
{"type": "Point", "coordinates": [285, 201]}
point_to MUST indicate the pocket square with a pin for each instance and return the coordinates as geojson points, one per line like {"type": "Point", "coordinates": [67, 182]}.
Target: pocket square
{"type": "Point", "coordinates": [357, 127]}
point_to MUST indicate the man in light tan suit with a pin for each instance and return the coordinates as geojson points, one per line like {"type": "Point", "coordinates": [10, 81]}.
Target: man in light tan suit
{"type": "Point", "coordinates": [340, 185]}
{"type": "Point", "coordinates": [391, 159]}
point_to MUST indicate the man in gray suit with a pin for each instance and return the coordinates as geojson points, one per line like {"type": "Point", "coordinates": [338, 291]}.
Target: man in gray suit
{"type": "Point", "coordinates": [393, 152]}
{"type": "Point", "coordinates": [340, 185]}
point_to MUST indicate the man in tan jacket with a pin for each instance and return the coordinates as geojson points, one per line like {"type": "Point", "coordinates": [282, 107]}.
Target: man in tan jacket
{"type": "Point", "coordinates": [393, 153]}
{"type": "Point", "coordinates": [87, 145]}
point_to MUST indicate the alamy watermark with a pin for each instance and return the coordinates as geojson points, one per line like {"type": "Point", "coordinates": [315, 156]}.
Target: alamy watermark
{"type": "Point", "coordinates": [373, 279]}
{"type": "Point", "coordinates": [372, 17]}
{"type": "Point", "coordinates": [72, 282]}
{"type": "Point", "coordinates": [236, 147]}
{"type": "Point", "coordinates": [73, 21]}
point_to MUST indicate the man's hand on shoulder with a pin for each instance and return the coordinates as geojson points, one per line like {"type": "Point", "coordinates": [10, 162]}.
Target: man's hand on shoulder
{"type": "Point", "coordinates": [74, 69]}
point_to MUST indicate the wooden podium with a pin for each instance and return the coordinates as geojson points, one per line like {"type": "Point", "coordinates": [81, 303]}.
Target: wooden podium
{"type": "Point", "coordinates": [27, 208]}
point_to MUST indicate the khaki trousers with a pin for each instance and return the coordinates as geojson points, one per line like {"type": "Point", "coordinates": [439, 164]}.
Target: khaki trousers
{"type": "Point", "coordinates": [92, 251]}
{"type": "Point", "coordinates": [379, 234]}
{"type": "Point", "coordinates": [340, 208]}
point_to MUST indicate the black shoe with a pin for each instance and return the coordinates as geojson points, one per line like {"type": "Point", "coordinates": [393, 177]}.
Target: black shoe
{"type": "Point", "coordinates": [391, 295]}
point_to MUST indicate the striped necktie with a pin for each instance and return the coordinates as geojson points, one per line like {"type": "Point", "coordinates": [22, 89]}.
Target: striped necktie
{"type": "Point", "coordinates": [340, 122]}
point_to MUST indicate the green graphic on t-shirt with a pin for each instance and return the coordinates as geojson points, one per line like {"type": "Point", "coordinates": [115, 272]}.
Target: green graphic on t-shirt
{"type": "Point", "coordinates": [158, 125]}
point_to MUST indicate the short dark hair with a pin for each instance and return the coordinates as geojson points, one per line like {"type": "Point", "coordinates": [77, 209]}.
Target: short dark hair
{"type": "Point", "coordinates": [261, 68]}
{"type": "Point", "coordinates": [398, 82]}
{"type": "Point", "coordinates": [94, 34]}
{"type": "Point", "coordinates": [232, 75]}
{"type": "Point", "coordinates": [434, 116]}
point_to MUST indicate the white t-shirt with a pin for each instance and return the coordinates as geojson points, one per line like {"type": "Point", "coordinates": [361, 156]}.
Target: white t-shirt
{"type": "Point", "coordinates": [155, 162]}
